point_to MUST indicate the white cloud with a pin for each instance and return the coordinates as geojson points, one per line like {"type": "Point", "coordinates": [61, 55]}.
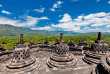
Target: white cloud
{"type": "Point", "coordinates": [91, 30]}
{"type": "Point", "coordinates": [42, 28]}
{"type": "Point", "coordinates": [86, 28]}
{"type": "Point", "coordinates": [59, 16]}
{"type": "Point", "coordinates": [66, 18]}
{"type": "Point", "coordinates": [97, 19]}
{"type": "Point", "coordinates": [43, 18]}
{"type": "Point", "coordinates": [5, 12]}
{"type": "Point", "coordinates": [84, 23]}
{"type": "Point", "coordinates": [1, 5]}
{"type": "Point", "coordinates": [89, 23]}
{"type": "Point", "coordinates": [108, 26]}
{"type": "Point", "coordinates": [52, 9]}
{"type": "Point", "coordinates": [41, 10]}
{"type": "Point", "coordinates": [66, 27]}
{"type": "Point", "coordinates": [108, 2]}
{"type": "Point", "coordinates": [56, 5]}
{"type": "Point", "coordinates": [27, 21]}
{"type": "Point", "coordinates": [97, 0]}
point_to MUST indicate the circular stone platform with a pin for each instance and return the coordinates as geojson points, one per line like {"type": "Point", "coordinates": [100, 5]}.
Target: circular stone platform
{"type": "Point", "coordinates": [22, 61]}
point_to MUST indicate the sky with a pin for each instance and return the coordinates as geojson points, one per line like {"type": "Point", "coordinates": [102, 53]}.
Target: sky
{"type": "Point", "coordinates": [57, 15]}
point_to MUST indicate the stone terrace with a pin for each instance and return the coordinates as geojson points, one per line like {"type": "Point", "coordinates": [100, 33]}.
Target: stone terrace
{"type": "Point", "coordinates": [80, 68]}
{"type": "Point", "coordinates": [42, 56]}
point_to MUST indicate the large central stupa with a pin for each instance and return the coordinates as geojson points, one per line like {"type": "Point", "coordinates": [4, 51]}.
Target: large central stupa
{"type": "Point", "coordinates": [61, 56]}
{"type": "Point", "coordinates": [22, 61]}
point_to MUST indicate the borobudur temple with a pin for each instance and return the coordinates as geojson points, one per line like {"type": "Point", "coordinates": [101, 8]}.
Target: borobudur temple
{"type": "Point", "coordinates": [61, 56]}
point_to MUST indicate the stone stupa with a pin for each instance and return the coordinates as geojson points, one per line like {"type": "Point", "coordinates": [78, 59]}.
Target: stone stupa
{"type": "Point", "coordinates": [103, 67]}
{"type": "Point", "coordinates": [61, 56]}
{"type": "Point", "coordinates": [31, 44]}
{"type": "Point", "coordinates": [46, 42]}
{"type": "Point", "coordinates": [57, 42]}
{"type": "Point", "coordinates": [81, 44]}
{"type": "Point", "coordinates": [39, 43]}
{"type": "Point", "coordinates": [71, 44]}
{"type": "Point", "coordinates": [22, 61]}
{"type": "Point", "coordinates": [98, 49]}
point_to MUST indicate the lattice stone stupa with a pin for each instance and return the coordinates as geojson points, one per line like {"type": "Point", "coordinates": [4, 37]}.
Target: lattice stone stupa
{"type": "Point", "coordinates": [81, 44]}
{"type": "Point", "coordinates": [57, 42]}
{"type": "Point", "coordinates": [98, 49]}
{"type": "Point", "coordinates": [31, 44]}
{"type": "Point", "coordinates": [71, 45]}
{"type": "Point", "coordinates": [103, 67]}
{"type": "Point", "coordinates": [61, 56]}
{"type": "Point", "coordinates": [22, 61]}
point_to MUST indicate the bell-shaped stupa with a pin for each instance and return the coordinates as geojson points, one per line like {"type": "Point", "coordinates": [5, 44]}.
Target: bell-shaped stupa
{"type": "Point", "coordinates": [61, 56]}
{"type": "Point", "coordinates": [22, 61]}
{"type": "Point", "coordinates": [71, 44]}
{"type": "Point", "coordinates": [98, 49]}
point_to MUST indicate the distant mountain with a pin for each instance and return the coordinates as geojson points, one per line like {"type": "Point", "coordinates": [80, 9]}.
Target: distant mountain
{"type": "Point", "coordinates": [9, 30]}
{"type": "Point", "coordinates": [66, 33]}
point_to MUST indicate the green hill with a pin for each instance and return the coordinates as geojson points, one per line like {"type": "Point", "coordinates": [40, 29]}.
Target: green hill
{"type": "Point", "coordinates": [9, 30]}
{"type": "Point", "coordinates": [13, 31]}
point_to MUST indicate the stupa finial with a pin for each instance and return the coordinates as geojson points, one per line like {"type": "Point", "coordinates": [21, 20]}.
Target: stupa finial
{"type": "Point", "coordinates": [61, 38]}
{"type": "Point", "coordinates": [99, 36]}
{"type": "Point", "coordinates": [21, 39]}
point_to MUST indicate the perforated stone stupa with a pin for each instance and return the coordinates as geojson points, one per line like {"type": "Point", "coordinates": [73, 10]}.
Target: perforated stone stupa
{"type": "Point", "coordinates": [31, 44]}
{"type": "Point", "coordinates": [46, 42]}
{"type": "Point", "coordinates": [57, 42]}
{"type": "Point", "coordinates": [61, 57]}
{"type": "Point", "coordinates": [81, 44]}
{"type": "Point", "coordinates": [22, 61]}
{"type": "Point", "coordinates": [98, 49]}
{"type": "Point", "coordinates": [5, 55]}
{"type": "Point", "coordinates": [2, 48]}
{"type": "Point", "coordinates": [103, 67]}
{"type": "Point", "coordinates": [71, 44]}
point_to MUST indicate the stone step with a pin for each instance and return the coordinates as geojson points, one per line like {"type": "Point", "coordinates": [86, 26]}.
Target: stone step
{"type": "Point", "coordinates": [24, 69]}
{"type": "Point", "coordinates": [61, 64]}
{"type": "Point", "coordinates": [92, 60]}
